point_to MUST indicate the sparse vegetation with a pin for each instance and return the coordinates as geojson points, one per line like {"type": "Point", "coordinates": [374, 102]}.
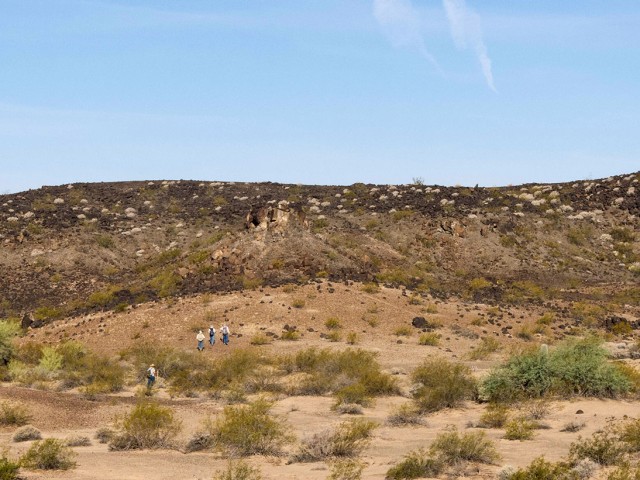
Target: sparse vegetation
{"type": "Point", "coordinates": [238, 470]}
{"type": "Point", "coordinates": [13, 414]}
{"type": "Point", "coordinates": [26, 434]}
{"type": "Point", "coordinates": [49, 454]}
{"type": "Point", "coordinates": [348, 439]}
{"type": "Point", "coordinates": [441, 384]}
{"type": "Point", "coordinates": [430, 339]}
{"type": "Point", "coordinates": [148, 425]}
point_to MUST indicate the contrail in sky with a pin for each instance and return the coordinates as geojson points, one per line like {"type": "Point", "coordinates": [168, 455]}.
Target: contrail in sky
{"type": "Point", "coordinates": [466, 30]}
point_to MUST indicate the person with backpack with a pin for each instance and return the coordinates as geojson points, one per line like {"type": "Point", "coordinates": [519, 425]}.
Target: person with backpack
{"type": "Point", "coordinates": [212, 335]}
{"type": "Point", "coordinates": [225, 334]}
{"type": "Point", "coordinates": [200, 339]}
{"type": "Point", "coordinates": [151, 376]}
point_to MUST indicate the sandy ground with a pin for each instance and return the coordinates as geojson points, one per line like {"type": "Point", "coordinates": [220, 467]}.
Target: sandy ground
{"type": "Point", "coordinates": [61, 414]}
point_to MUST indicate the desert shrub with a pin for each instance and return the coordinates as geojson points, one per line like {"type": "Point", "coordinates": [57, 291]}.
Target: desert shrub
{"type": "Point", "coordinates": [26, 433]}
{"type": "Point", "coordinates": [260, 339]}
{"type": "Point", "coordinates": [290, 335]}
{"type": "Point", "coordinates": [402, 331]}
{"type": "Point", "coordinates": [441, 384]}
{"type": "Point", "coordinates": [405, 414]}
{"type": "Point", "coordinates": [370, 287]}
{"type": "Point", "coordinates": [148, 425]}
{"type": "Point", "coordinates": [49, 454]}
{"type": "Point", "coordinates": [355, 393]}
{"type": "Point", "coordinates": [333, 336]}
{"type": "Point", "coordinates": [249, 430]}
{"type": "Point", "coordinates": [540, 469]}
{"type": "Point", "coordinates": [8, 331]}
{"type": "Point", "coordinates": [453, 448]}
{"type": "Point", "coordinates": [536, 409]}
{"type": "Point", "coordinates": [238, 470]}
{"type": "Point", "coordinates": [488, 345]}
{"type": "Point", "coordinates": [333, 323]}
{"type": "Point", "coordinates": [348, 439]}
{"type": "Point", "coordinates": [573, 427]}
{"type": "Point", "coordinates": [629, 433]}
{"type": "Point", "coordinates": [574, 368]}
{"type": "Point", "coordinates": [104, 435]}
{"type": "Point", "coordinates": [494, 416]}
{"type": "Point", "coordinates": [352, 338]}
{"type": "Point", "coordinates": [603, 447]}
{"type": "Point", "coordinates": [199, 441]}
{"type": "Point", "coordinates": [8, 469]}
{"type": "Point", "coordinates": [431, 339]}
{"type": "Point", "coordinates": [346, 469]}
{"type": "Point", "coordinates": [349, 408]}
{"type": "Point", "coordinates": [416, 464]}
{"type": "Point", "coordinates": [13, 414]}
{"type": "Point", "coordinates": [625, 472]}
{"type": "Point", "coordinates": [77, 441]}
{"type": "Point", "coordinates": [298, 303]}
{"type": "Point", "coordinates": [519, 429]}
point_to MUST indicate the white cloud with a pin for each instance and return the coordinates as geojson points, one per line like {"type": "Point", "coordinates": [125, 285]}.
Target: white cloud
{"type": "Point", "coordinates": [402, 24]}
{"type": "Point", "coordinates": [466, 31]}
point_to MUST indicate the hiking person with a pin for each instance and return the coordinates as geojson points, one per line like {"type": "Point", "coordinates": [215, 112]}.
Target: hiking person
{"type": "Point", "coordinates": [200, 339]}
{"type": "Point", "coordinates": [225, 334]}
{"type": "Point", "coordinates": [212, 335]}
{"type": "Point", "coordinates": [151, 376]}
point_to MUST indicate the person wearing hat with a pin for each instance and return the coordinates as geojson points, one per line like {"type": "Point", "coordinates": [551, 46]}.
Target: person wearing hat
{"type": "Point", "coordinates": [151, 375]}
{"type": "Point", "coordinates": [200, 339]}
{"type": "Point", "coordinates": [212, 335]}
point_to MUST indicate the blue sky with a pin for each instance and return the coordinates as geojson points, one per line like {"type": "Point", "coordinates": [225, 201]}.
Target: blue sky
{"type": "Point", "coordinates": [318, 91]}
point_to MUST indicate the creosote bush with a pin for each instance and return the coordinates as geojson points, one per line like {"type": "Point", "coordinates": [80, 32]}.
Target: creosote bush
{"type": "Point", "coordinates": [249, 430]}
{"type": "Point", "coordinates": [540, 469]}
{"type": "Point", "coordinates": [238, 470]}
{"type": "Point", "coordinates": [573, 368]}
{"type": "Point", "coordinates": [604, 447]}
{"type": "Point", "coordinates": [148, 425]}
{"type": "Point", "coordinates": [13, 414]}
{"type": "Point", "coordinates": [49, 454]}
{"type": "Point", "coordinates": [494, 416]}
{"type": "Point", "coordinates": [8, 468]}
{"type": "Point", "coordinates": [26, 433]}
{"type": "Point", "coordinates": [441, 384]}
{"type": "Point", "coordinates": [519, 429]}
{"type": "Point", "coordinates": [346, 469]}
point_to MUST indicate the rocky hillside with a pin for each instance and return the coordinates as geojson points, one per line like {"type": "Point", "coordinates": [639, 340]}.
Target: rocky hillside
{"type": "Point", "coordinates": [75, 248]}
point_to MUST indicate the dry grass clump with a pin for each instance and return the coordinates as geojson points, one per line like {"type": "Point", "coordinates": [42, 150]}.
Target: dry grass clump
{"type": "Point", "coordinates": [348, 439]}
{"type": "Point", "coordinates": [441, 384]}
{"type": "Point", "coordinates": [290, 335]}
{"type": "Point", "coordinates": [26, 433]}
{"type": "Point", "coordinates": [260, 339]}
{"type": "Point", "coordinates": [104, 434]}
{"type": "Point", "coordinates": [346, 469]}
{"type": "Point", "coordinates": [77, 441]}
{"type": "Point", "coordinates": [494, 416]}
{"type": "Point", "coordinates": [238, 470]}
{"type": "Point", "coordinates": [49, 454]}
{"type": "Point", "coordinates": [405, 414]}
{"type": "Point", "coordinates": [8, 468]}
{"type": "Point", "coordinates": [604, 447]}
{"type": "Point", "coordinates": [519, 429]}
{"type": "Point", "coordinates": [450, 448]}
{"type": "Point", "coordinates": [249, 430]}
{"type": "Point", "coordinates": [540, 469]}
{"type": "Point", "coordinates": [573, 427]}
{"type": "Point", "coordinates": [488, 345]}
{"type": "Point", "coordinates": [13, 414]}
{"type": "Point", "coordinates": [429, 339]}
{"type": "Point", "coordinates": [148, 425]}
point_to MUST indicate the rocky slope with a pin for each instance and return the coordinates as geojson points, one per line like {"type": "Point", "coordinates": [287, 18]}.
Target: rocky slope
{"type": "Point", "coordinates": [82, 247]}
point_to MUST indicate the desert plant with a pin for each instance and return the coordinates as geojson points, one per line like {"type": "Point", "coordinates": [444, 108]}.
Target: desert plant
{"type": "Point", "coordinates": [625, 472]}
{"type": "Point", "coordinates": [77, 441]}
{"type": "Point", "coordinates": [8, 468]}
{"type": "Point", "coordinates": [333, 336]}
{"type": "Point", "coordinates": [104, 434]}
{"type": "Point", "coordinates": [238, 470]}
{"type": "Point", "coordinates": [431, 339]}
{"type": "Point", "coordinates": [416, 464]}
{"type": "Point", "coordinates": [13, 414]}
{"type": "Point", "coordinates": [346, 469]}
{"type": "Point", "coordinates": [249, 430]}
{"type": "Point", "coordinates": [260, 339]}
{"type": "Point", "coordinates": [573, 427]}
{"type": "Point", "coordinates": [348, 439]}
{"type": "Point", "coordinates": [147, 425]}
{"type": "Point", "coordinates": [405, 414]}
{"type": "Point", "coordinates": [26, 433]}
{"type": "Point", "coordinates": [352, 338]}
{"type": "Point", "coordinates": [298, 303]}
{"type": "Point", "coordinates": [488, 345]}
{"type": "Point", "coordinates": [402, 331]}
{"type": "Point", "coordinates": [519, 429]}
{"type": "Point", "coordinates": [441, 384]}
{"type": "Point", "coordinates": [49, 454]}
{"type": "Point", "coordinates": [603, 447]}
{"type": "Point", "coordinates": [290, 335]}
{"type": "Point", "coordinates": [454, 448]}
{"type": "Point", "coordinates": [629, 432]}
{"type": "Point", "coordinates": [495, 416]}
{"type": "Point", "coordinates": [348, 408]}
{"type": "Point", "coordinates": [8, 331]}
{"type": "Point", "coordinates": [354, 393]}
{"type": "Point", "coordinates": [333, 323]}
{"type": "Point", "coordinates": [540, 469]}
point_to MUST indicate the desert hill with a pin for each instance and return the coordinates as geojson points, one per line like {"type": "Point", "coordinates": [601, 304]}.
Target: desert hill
{"type": "Point", "coordinates": [85, 247]}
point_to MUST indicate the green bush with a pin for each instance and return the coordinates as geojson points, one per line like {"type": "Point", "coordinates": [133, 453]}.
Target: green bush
{"type": "Point", "coordinates": [416, 464]}
{"type": "Point", "coordinates": [13, 414]}
{"type": "Point", "coordinates": [454, 448]}
{"type": "Point", "coordinates": [8, 331]}
{"type": "Point", "coordinates": [49, 454]}
{"type": "Point", "coordinates": [346, 469]}
{"type": "Point", "coordinates": [348, 439]}
{"type": "Point", "coordinates": [495, 416]}
{"type": "Point", "coordinates": [573, 368]}
{"type": "Point", "coordinates": [540, 469]}
{"type": "Point", "coordinates": [249, 430]}
{"type": "Point", "coordinates": [519, 429]}
{"type": "Point", "coordinates": [441, 384]}
{"type": "Point", "coordinates": [8, 469]}
{"type": "Point", "coordinates": [630, 434]}
{"type": "Point", "coordinates": [625, 472]}
{"type": "Point", "coordinates": [148, 425]}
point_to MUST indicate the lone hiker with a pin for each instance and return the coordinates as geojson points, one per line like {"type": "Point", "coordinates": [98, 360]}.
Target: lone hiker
{"type": "Point", "coordinates": [212, 335]}
{"type": "Point", "coordinates": [151, 375]}
{"type": "Point", "coordinates": [200, 339]}
{"type": "Point", "coordinates": [225, 334]}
